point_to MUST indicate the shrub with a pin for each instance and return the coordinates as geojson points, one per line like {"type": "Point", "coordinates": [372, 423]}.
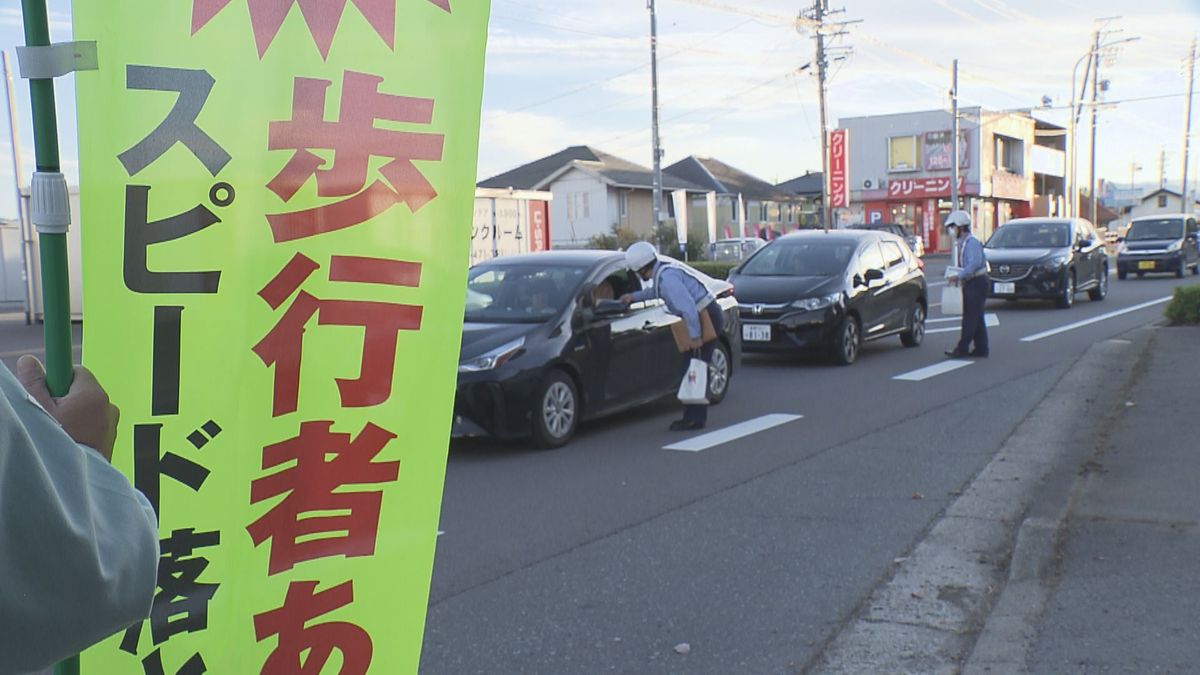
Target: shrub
{"type": "Point", "coordinates": [716, 270]}
{"type": "Point", "coordinates": [666, 238]}
{"type": "Point", "coordinates": [618, 240]}
{"type": "Point", "coordinates": [1184, 307]}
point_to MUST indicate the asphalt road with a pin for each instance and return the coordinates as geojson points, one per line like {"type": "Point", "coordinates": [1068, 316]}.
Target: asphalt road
{"type": "Point", "coordinates": [611, 553]}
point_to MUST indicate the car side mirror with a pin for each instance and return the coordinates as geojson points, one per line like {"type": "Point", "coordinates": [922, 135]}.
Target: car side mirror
{"type": "Point", "coordinates": [586, 299]}
{"type": "Point", "coordinates": [1085, 243]}
{"type": "Point", "coordinates": [873, 275]}
{"type": "Point", "coordinates": [609, 308]}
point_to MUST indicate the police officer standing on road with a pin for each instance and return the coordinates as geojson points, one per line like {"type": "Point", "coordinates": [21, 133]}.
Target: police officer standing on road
{"type": "Point", "coordinates": [686, 296]}
{"type": "Point", "coordinates": [972, 277]}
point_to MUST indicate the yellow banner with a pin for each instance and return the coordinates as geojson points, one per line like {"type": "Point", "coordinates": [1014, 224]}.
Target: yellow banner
{"type": "Point", "coordinates": [276, 209]}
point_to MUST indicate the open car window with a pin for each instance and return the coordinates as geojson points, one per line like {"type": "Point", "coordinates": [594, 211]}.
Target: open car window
{"type": "Point", "coordinates": [519, 293]}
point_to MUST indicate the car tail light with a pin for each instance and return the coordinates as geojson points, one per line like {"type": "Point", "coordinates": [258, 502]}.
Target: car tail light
{"type": "Point", "coordinates": [921, 264]}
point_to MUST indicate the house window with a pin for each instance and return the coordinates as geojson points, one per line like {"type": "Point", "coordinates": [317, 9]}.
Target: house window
{"type": "Point", "coordinates": [1162, 201]}
{"type": "Point", "coordinates": [902, 153]}
{"type": "Point", "coordinates": [571, 206]}
{"type": "Point", "coordinates": [587, 212]}
{"type": "Point", "coordinates": [623, 204]}
{"type": "Point", "coordinates": [1010, 155]}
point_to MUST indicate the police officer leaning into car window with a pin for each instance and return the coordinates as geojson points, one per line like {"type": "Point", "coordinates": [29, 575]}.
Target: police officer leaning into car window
{"type": "Point", "coordinates": [972, 277]}
{"type": "Point", "coordinates": [685, 296]}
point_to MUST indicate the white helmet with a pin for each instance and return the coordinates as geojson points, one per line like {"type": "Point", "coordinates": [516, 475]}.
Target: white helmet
{"type": "Point", "coordinates": [960, 219]}
{"type": "Point", "coordinates": [640, 254]}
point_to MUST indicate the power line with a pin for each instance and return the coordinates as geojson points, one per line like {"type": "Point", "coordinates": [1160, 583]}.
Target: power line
{"type": "Point", "coordinates": [719, 102]}
{"type": "Point", "coordinates": [592, 83]}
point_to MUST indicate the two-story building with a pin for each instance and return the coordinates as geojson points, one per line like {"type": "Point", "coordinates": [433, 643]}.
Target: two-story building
{"type": "Point", "coordinates": [900, 169]}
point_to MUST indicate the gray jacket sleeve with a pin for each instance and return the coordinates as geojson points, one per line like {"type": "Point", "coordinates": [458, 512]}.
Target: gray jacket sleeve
{"type": "Point", "coordinates": [78, 545]}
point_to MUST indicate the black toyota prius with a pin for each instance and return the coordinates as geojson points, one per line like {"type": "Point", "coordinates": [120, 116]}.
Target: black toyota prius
{"type": "Point", "coordinates": [831, 291]}
{"type": "Point", "coordinates": [546, 344]}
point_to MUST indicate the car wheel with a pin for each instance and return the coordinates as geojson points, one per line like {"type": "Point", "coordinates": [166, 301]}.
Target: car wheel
{"type": "Point", "coordinates": [1182, 268]}
{"type": "Point", "coordinates": [720, 369]}
{"type": "Point", "coordinates": [1196, 269]}
{"type": "Point", "coordinates": [1101, 290]}
{"type": "Point", "coordinates": [1067, 298]}
{"type": "Point", "coordinates": [555, 411]}
{"type": "Point", "coordinates": [916, 327]}
{"type": "Point", "coordinates": [846, 341]}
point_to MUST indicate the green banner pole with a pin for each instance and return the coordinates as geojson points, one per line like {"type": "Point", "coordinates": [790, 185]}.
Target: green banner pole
{"type": "Point", "coordinates": [56, 294]}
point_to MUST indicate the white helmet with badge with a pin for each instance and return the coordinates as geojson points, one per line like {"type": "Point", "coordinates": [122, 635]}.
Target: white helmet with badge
{"type": "Point", "coordinates": [640, 254]}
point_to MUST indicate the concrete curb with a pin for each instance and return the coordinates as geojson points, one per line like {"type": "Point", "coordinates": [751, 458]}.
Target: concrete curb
{"type": "Point", "coordinates": [927, 617]}
{"type": "Point", "coordinates": [1005, 642]}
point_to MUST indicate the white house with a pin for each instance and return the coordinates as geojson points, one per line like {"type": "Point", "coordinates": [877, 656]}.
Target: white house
{"type": "Point", "coordinates": [1162, 201]}
{"type": "Point", "coordinates": [593, 192]}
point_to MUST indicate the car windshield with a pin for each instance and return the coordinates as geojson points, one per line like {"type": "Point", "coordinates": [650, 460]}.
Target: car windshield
{"type": "Point", "coordinates": [732, 250]}
{"type": "Point", "coordinates": [516, 293]}
{"type": "Point", "coordinates": [1143, 230]}
{"type": "Point", "coordinates": [728, 250]}
{"type": "Point", "coordinates": [1031, 235]}
{"type": "Point", "coordinates": [801, 259]}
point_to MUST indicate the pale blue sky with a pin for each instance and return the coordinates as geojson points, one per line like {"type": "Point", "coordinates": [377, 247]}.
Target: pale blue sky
{"type": "Point", "coordinates": [567, 72]}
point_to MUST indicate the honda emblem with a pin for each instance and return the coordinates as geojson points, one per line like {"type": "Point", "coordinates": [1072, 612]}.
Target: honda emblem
{"type": "Point", "coordinates": [757, 309]}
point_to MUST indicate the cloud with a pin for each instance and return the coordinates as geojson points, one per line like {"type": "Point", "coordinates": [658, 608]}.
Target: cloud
{"type": "Point", "coordinates": [509, 140]}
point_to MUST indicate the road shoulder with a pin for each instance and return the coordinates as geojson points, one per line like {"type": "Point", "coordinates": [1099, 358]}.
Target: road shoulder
{"type": "Point", "coordinates": [927, 616]}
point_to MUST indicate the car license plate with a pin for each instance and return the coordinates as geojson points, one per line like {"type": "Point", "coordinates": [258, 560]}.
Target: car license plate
{"type": "Point", "coordinates": [756, 332]}
{"type": "Point", "coordinates": [1004, 288]}
{"type": "Point", "coordinates": [1146, 265]}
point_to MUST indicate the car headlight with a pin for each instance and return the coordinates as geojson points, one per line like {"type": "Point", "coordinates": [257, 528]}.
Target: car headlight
{"type": "Point", "coordinates": [1054, 264]}
{"type": "Point", "coordinates": [812, 304]}
{"type": "Point", "coordinates": [494, 358]}
{"type": "Point", "coordinates": [1175, 247]}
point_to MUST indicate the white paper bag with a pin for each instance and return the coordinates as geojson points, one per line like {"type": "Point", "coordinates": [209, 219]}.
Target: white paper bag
{"type": "Point", "coordinates": [694, 388]}
{"type": "Point", "coordinates": [951, 299]}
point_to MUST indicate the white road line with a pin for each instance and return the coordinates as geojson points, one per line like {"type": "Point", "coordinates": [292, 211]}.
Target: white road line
{"type": "Point", "coordinates": [933, 371]}
{"type": "Point", "coordinates": [741, 430]}
{"type": "Point", "coordinates": [1095, 319]}
{"type": "Point", "coordinates": [990, 320]}
{"type": "Point", "coordinates": [936, 284]}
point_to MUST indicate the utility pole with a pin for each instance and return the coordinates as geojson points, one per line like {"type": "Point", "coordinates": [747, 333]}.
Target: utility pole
{"type": "Point", "coordinates": [1162, 168]}
{"type": "Point", "coordinates": [1095, 98]}
{"type": "Point", "coordinates": [815, 19]}
{"type": "Point", "coordinates": [819, 8]}
{"type": "Point", "coordinates": [657, 150]}
{"type": "Point", "coordinates": [955, 156]}
{"type": "Point", "coordinates": [1076, 111]}
{"type": "Point", "coordinates": [1187, 126]}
